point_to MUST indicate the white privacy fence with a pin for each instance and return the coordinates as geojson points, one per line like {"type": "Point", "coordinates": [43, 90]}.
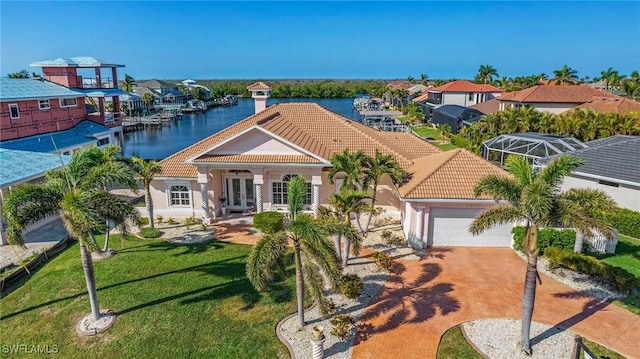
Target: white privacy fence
{"type": "Point", "coordinates": [599, 243]}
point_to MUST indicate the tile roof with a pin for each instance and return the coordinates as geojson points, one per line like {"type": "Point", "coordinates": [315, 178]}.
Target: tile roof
{"type": "Point", "coordinates": [256, 159]}
{"type": "Point", "coordinates": [465, 86]}
{"type": "Point", "coordinates": [156, 84]}
{"type": "Point", "coordinates": [555, 94]}
{"type": "Point", "coordinates": [611, 104]}
{"type": "Point", "coordinates": [78, 61]}
{"type": "Point", "coordinates": [399, 84]}
{"type": "Point", "coordinates": [27, 89]}
{"type": "Point", "coordinates": [82, 133]}
{"type": "Point", "coordinates": [258, 86]}
{"type": "Point", "coordinates": [21, 166]}
{"type": "Point", "coordinates": [488, 107]}
{"type": "Point", "coordinates": [313, 128]}
{"type": "Point", "coordinates": [615, 157]}
{"type": "Point", "coordinates": [447, 175]}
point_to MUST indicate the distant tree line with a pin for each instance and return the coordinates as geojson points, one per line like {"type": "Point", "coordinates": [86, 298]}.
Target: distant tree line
{"type": "Point", "coordinates": [301, 88]}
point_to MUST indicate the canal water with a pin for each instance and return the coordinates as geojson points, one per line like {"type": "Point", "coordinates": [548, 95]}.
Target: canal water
{"type": "Point", "coordinates": [158, 143]}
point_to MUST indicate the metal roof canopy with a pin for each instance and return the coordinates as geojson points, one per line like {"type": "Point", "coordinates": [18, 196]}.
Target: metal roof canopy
{"type": "Point", "coordinates": [531, 145]}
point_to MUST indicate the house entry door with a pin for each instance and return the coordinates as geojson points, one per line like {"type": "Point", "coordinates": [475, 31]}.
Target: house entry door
{"type": "Point", "coordinates": [240, 193]}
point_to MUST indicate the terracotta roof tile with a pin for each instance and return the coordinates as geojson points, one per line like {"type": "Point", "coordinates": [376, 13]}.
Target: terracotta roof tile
{"type": "Point", "coordinates": [611, 104]}
{"type": "Point", "coordinates": [447, 175]}
{"type": "Point", "coordinates": [465, 86]}
{"type": "Point", "coordinates": [256, 159]}
{"type": "Point", "coordinates": [313, 128]}
{"type": "Point", "coordinates": [258, 86]}
{"type": "Point", "coordinates": [555, 94]}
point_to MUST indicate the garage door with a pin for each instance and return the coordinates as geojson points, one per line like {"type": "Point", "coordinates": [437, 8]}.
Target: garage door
{"type": "Point", "coordinates": [450, 227]}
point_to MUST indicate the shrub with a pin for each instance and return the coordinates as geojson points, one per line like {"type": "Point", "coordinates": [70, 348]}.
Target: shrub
{"type": "Point", "coordinates": [171, 221]}
{"type": "Point", "coordinates": [188, 222]}
{"type": "Point", "coordinates": [342, 324]}
{"type": "Point", "coordinates": [143, 221]}
{"type": "Point", "coordinates": [351, 286]}
{"type": "Point", "coordinates": [626, 221]}
{"type": "Point", "coordinates": [618, 278]}
{"type": "Point", "coordinates": [159, 219]}
{"type": "Point", "coordinates": [148, 232]}
{"type": "Point", "coordinates": [269, 222]}
{"type": "Point", "coordinates": [327, 305]}
{"type": "Point", "coordinates": [561, 238]}
{"type": "Point", "coordinates": [395, 240]}
{"type": "Point", "coordinates": [383, 261]}
{"type": "Point", "coordinates": [386, 235]}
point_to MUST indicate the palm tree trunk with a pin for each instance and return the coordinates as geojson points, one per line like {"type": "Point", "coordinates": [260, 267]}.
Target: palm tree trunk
{"type": "Point", "coordinates": [529, 296]}
{"type": "Point", "coordinates": [337, 239]}
{"type": "Point", "coordinates": [93, 239]}
{"type": "Point", "coordinates": [373, 206]}
{"type": "Point", "coordinates": [87, 266]}
{"type": "Point", "coordinates": [299, 286]}
{"type": "Point", "coordinates": [106, 237]}
{"type": "Point", "coordinates": [347, 243]}
{"type": "Point", "coordinates": [149, 201]}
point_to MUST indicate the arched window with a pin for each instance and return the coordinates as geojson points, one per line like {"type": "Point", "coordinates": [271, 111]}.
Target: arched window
{"type": "Point", "coordinates": [180, 196]}
{"type": "Point", "coordinates": [279, 190]}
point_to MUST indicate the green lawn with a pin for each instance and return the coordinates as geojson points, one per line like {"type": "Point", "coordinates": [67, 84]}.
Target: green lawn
{"type": "Point", "coordinates": [453, 345]}
{"type": "Point", "coordinates": [172, 302]}
{"type": "Point", "coordinates": [627, 255]}
{"type": "Point", "coordinates": [430, 133]}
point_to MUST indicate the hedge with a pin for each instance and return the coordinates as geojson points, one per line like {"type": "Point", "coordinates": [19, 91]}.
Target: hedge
{"type": "Point", "coordinates": [148, 232]}
{"type": "Point", "coordinates": [616, 277]}
{"type": "Point", "coordinates": [269, 222]}
{"type": "Point", "coordinates": [561, 238]}
{"type": "Point", "coordinates": [626, 221]}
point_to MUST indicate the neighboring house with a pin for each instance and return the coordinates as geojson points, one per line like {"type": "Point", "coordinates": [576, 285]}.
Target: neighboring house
{"type": "Point", "coordinates": [611, 164]}
{"type": "Point", "coordinates": [20, 167]}
{"type": "Point", "coordinates": [487, 107]}
{"type": "Point", "coordinates": [455, 116]}
{"type": "Point", "coordinates": [193, 84]}
{"type": "Point", "coordinates": [246, 167]}
{"type": "Point", "coordinates": [553, 99]}
{"type": "Point", "coordinates": [614, 104]}
{"type": "Point", "coordinates": [461, 93]}
{"type": "Point", "coordinates": [412, 89]}
{"type": "Point", "coordinates": [165, 92]}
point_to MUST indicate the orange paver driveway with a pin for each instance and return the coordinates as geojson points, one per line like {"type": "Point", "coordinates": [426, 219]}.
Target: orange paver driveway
{"type": "Point", "coordinates": [453, 285]}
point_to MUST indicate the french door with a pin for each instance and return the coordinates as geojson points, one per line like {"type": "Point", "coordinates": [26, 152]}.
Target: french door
{"type": "Point", "coordinates": [240, 193]}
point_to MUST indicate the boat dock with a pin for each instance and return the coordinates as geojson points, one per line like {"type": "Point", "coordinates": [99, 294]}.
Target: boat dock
{"type": "Point", "coordinates": [130, 124]}
{"type": "Point", "coordinates": [384, 120]}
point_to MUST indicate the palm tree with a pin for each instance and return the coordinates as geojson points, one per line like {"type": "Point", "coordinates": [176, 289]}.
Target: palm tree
{"type": "Point", "coordinates": [146, 171]}
{"type": "Point", "coordinates": [444, 130]}
{"type": "Point", "coordinates": [486, 73]}
{"type": "Point", "coordinates": [128, 83]}
{"type": "Point", "coordinates": [351, 165]}
{"type": "Point", "coordinates": [424, 79]}
{"type": "Point", "coordinates": [312, 252]}
{"type": "Point", "coordinates": [565, 75]}
{"type": "Point", "coordinates": [148, 99]}
{"type": "Point", "coordinates": [343, 204]}
{"type": "Point", "coordinates": [534, 198]}
{"type": "Point", "coordinates": [77, 194]}
{"type": "Point", "coordinates": [410, 80]}
{"type": "Point", "coordinates": [374, 168]}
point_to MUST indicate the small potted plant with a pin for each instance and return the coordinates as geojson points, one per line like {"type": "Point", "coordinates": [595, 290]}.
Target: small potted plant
{"type": "Point", "coordinates": [223, 205]}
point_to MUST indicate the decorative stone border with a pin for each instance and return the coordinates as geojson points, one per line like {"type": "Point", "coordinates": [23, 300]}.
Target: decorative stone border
{"type": "Point", "coordinates": [88, 327]}
{"type": "Point", "coordinates": [279, 325]}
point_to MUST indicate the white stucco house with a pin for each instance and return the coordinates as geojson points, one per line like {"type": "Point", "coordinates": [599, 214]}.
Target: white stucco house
{"type": "Point", "coordinates": [611, 164]}
{"type": "Point", "coordinates": [551, 98]}
{"type": "Point", "coordinates": [246, 167]}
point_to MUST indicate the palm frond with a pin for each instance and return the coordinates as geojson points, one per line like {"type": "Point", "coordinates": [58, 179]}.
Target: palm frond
{"type": "Point", "coordinates": [520, 168]}
{"type": "Point", "coordinates": [107, 174]}
{"type": "Point", "coordinates": [353, 235]}
{"type": "Point", "coordinates": [584, 209]}
{"type": "Point", "coordinates": [557, 169]}
{"type": "Point", "coordinates": [314, 243]}
{"type": "Point", "coordinates": [264, 259]}
{"type": "Point", "coordinates": [115, 209]}
{"type": "Point", "coordinates": [500, 188]}
{"type": "Point", "coordinates": [498, 214]}
{"type": "Point", "coordinates": [297, 192]}
{"type": "Point", "coordinates": [79, 216]}
{"type": "Point", "coordinates": [27, 204]}
{"type": "Point", "coordinates": [537, 201]}
{"type": "Point", "coordinates": [313, 281]}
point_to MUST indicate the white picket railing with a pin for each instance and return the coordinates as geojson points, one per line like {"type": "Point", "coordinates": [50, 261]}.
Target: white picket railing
{"type": "Point", "coordinates": [599, 243]}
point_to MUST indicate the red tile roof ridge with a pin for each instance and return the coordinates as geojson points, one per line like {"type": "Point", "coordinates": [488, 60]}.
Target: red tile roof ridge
{"type": "Point", "coordinates": [258, 86]}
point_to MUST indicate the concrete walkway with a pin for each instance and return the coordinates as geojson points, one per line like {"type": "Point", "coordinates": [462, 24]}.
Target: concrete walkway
{"type": "Point", "coordinates": [453, 285]}
{"type": "Point", "coordinates": [36, 241]}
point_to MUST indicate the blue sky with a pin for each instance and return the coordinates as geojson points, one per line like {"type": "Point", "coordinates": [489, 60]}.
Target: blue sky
{"type": "Point", "coordinates": [272, 40]}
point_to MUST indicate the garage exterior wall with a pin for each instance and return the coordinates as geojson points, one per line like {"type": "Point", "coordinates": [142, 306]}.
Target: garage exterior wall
{"type": "Point", "coordinates": [416, 214]}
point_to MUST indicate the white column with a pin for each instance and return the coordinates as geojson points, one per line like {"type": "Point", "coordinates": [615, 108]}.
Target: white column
{"type": "Point", "coordinates": [420, 227]}
{"type": "Point", "coordinates": [316, 181]}
{"type": "Point", "coordinates": [258, 198]}
{"type": "Point", "coordinates": [258, 181]}
{"type": "Point", "coordinates": [205, 203]}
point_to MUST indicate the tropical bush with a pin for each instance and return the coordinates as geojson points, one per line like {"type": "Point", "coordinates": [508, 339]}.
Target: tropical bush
{"type": "Point", "coordinates": [626, 221]}
{"type": "Point", "coordinates": [342, 324]}
{"type": "Point", "coordinates": [618, 278]}
{"type": "Point", "coordinates": [269, 222]}
{"type": "Point", "coordinates": [351, 286]}
{"type": "Point", "coordinates": [160, 219]}
{"type": "Point", "coordinates": [383, 261]}
{"type": "Point", "coordinates": [547, 237]}
{"type": "Point", "coordinates": [148, 232]}
{"type": "Point", "coordinates": [327, 305]}
{"type": "Point", "coordinates": [171, 221]}
{"type": "Point", "coordinates": [188, 222]}
{"type": "Point", "coordinates": [143, 221]}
